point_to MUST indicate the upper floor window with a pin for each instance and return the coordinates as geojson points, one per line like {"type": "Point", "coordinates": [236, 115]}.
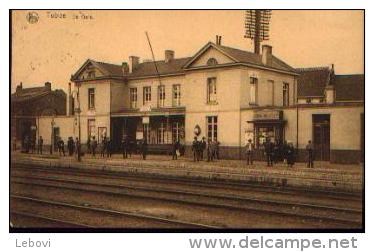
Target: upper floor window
{"type": "Point", "coordinates": [161, 96]}
{"type": "Point", "coordinates": [286, 94]}
{"type": "Point", "coordinates": [91, 98]}
{"type": "Point", "coordinates": [212, 62]}
{"type": "Point", "coordinates": [253, 86]}
{"type": "Point", "coordinates": [270, 93]}
{"type": "Point", "coordinates": [133, 97]}
{"type": "Point", "coordinates": [147, 96]}
{"type": "Point", "coordinates": [212, 89]}
{"type": "Point", "coordinates": [176, 95]}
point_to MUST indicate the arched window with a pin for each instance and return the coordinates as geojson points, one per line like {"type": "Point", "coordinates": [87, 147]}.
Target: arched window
{"type": "Point", "coordinates": [212, 62]}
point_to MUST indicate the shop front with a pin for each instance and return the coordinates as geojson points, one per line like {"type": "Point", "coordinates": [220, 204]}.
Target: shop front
{"type": "Point", "coordinates": [160, 130]}
{"type": "Point", "coordinates": [267, 124]}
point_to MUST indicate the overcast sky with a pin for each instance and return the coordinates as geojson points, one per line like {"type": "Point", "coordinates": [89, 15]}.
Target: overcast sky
{"type": "Point", "coordinates": [54, 48]}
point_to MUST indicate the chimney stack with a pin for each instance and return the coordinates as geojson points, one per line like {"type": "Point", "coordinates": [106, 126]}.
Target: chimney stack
{"type": "Point", "coordinates": [169, 55]}
{"type": "Point", "coordinates": [266, 54]}
{"type": "Point", "coordinates": [125, 68]}
{"type": "Point", "coordinates": [48, 85]}
{"type": "Point", "coordinates": [218, 40]}
{"type": "Point", "coordinates": [134, 61]}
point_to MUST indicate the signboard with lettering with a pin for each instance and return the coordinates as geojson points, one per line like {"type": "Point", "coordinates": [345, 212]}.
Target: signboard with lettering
{"type": "Point", "coordinates": [267, 115]}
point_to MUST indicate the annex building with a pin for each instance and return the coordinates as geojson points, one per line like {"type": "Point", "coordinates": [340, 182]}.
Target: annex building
{"type": "Point", "coordinates": [222, 93]}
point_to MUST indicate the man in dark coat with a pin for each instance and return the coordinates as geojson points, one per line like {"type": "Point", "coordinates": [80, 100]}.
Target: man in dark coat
{"type": "Point", "coordinates": [202, 148]}
{"type": "Point", "coordinates": [309, 149]}
{"type": "Point", "coordinates": [40, 145]}
{"type": "Point", "coordinates": [195, 149]}
{"type": "Point", "coordinates": [70, 146]}
{"type": "Point", "coordinates": [144, 148]}
{"type": "Point", "coordinates": [94, 146]}
{"type": "Point", "coordinates": [125, 146]}
{"type": "Point", "coordinates": [269, 150]}
{"type": "Point", "coordinates": [109, 148]}
{"type": "Point", "coordinates": [290, 155]}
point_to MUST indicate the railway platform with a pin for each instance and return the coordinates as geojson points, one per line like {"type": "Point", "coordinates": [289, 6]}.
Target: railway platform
{"type": "Point", "coordinates": [324, 175]}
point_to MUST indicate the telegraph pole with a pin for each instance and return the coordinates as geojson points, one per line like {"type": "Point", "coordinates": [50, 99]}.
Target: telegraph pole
{"type": "Point", "coordinates": [257, 24]}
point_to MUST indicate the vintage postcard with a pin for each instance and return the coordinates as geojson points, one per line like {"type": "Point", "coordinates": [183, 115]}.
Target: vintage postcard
{"type": "Point", "coordinates": [187, 120]}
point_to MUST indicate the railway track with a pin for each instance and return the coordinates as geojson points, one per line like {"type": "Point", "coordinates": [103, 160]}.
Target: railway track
{"type": "Point", "coordinates": [252, 187]}
{"type": "Point", "coordinates": [118, 217]}
{"type": "Point", "coordinates": [345, 216]}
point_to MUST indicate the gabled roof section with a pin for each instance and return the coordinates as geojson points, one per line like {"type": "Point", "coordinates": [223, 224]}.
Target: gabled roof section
{"type": "Point", "coordinates": [350, 87]}
{"type": "Point", "coordinates": [312, 81]}
{"type": "Point", "coordinates": [107, 69]}
{"type": "Point", "coordinates": [241, 56]}
{"type": "Point", "coordinates": [175, 66]}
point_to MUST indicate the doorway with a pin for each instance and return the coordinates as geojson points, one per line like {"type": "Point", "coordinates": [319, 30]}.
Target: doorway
{"type": "Point", "coordinates": [321, 136]}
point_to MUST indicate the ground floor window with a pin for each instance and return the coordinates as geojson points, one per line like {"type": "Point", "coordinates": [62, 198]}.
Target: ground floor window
{"type": "Point", "coordinates": [177, 131]}
{"type": "Point", "coordinates": [146, 133]}
{"type": "Point", "coordinates": [161, 134]}
{"type": "Point", "coordinates": [91, 129]}
{"type": "Point", "coordinates": [212, 128]}
{"type": "Point", "coordinates": [272, 131]}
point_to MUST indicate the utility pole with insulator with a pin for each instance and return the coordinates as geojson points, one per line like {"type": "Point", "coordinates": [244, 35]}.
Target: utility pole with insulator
{"type": "Point", "coordinates": [257, 24]}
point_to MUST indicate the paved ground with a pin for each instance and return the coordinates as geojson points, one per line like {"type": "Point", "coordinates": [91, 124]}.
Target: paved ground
{"type": "Point", "coordinates": [323, 176]}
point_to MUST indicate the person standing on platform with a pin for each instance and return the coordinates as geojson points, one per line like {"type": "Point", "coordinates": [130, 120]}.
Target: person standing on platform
{"type": "Point", "coordinates": [89, 145]}
{"type": "Point", "coordinates": [70, 146]}
{"type": "Point", "coordinates": [176, 150]}
{"type": "Point", "coordinates": [309, 149]}
{"type": "Point", "coordinates": [249, 152]}
{"type": "Point", "coordinates": [209, 151]}
{"type": "Point", "coordinates": [40, 145]}
{"type": "Point", "coordinates": [144, 149]}
{"type": "Point", "coordinates": [269, 150]}
{"type": "Point", "coordinates": [109, 148]}
{"type": "Point", "coordinates": [202, 148]}
{"type": "Point", "coordinates": [103, 147]}
{"type": "Point", "coordinates": [125, 146]}
{"type": "Point", "coordinates": [290, 155]}
{"type": "Point", "coordinates": [94, 146]}
{"type": "Point", "coordinates": [195, 149]}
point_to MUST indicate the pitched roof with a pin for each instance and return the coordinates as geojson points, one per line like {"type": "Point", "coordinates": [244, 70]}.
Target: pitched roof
{"type": "Point", "coordinates": [312, 81]}
{"type": "Point", "coordinates": [350, 87]}
{"type": "Point", "coordinates": [28, 94]}
{"type": "Point", "coordinates": [253, 58]}
{"type": "Point", "coordinates": [178, 65]}
{"type": "Point", "coordinates": [148, 68]}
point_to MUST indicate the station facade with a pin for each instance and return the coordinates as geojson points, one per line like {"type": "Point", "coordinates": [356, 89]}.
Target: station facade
{"type": "Point", "coordinates": [221, 93]}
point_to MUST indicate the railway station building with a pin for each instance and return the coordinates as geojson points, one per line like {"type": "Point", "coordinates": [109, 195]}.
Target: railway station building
{"type": "Point", "coordinates": [220, 93]}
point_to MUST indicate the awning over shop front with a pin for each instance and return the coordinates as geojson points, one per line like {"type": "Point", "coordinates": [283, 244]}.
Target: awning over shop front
{"type": "Point", "coordinates": [171, 111]}
{"type": "Point", "coordinates": [267, 116]}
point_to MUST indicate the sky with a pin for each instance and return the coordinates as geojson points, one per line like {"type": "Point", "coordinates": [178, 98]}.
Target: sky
{"type": "Point", "coordinates": [53, 48]}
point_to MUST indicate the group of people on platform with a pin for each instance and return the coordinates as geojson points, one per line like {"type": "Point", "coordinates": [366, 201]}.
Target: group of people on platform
{"type": "Point", "coordinates": [274, 152]}
{"type": "Point", "coordinates": [279, 152]}
{"type": "Point", "coordinates": [199, 148]}
{"type": "Point", "coordinates": [31, 145]}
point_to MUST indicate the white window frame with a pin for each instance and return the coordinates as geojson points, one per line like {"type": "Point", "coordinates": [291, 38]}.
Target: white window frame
{"type": "Point", "coordinates": [176, 95]}
{"type": "Point", "coordinates": [161, 95]}
{"type": "Point", "coordinates": [91, 98]}
{"type": "Point", "coordinates": [212, 89]}
{"type": "Point", "coordinates": [253, 90]}
{"type": "Point", "coordinates": [147, 95]}
{"type": "Point", "coordinates": [133, 98]}
{"type": "Point", "coordinates": [212, 128]}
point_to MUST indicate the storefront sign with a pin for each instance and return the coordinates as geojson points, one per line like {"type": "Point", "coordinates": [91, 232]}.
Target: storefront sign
{"type": "Point", "coordinates": [145, 119]}
{"type": "Point", "coordinates": [145, 108]}
{"type": "Point", "coordinates": [267, 115]}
